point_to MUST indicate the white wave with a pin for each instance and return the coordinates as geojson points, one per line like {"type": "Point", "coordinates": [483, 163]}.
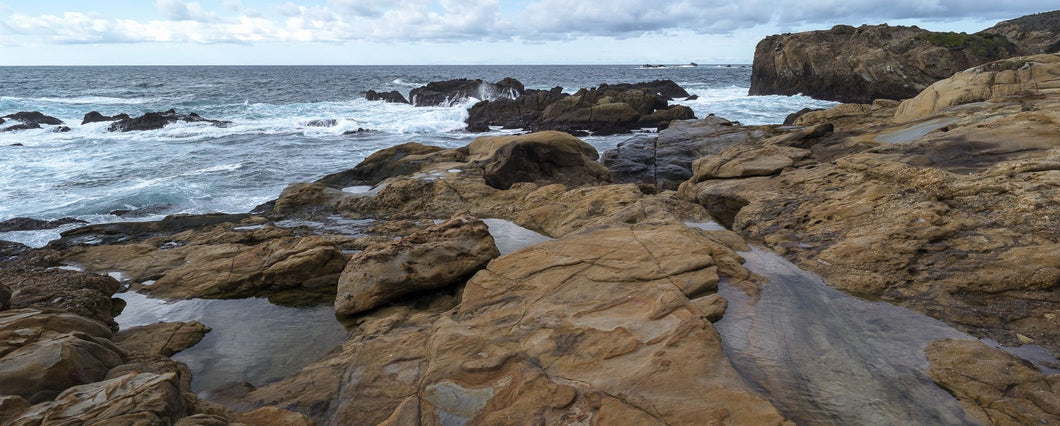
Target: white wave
{"type": "Point", "coordinates": [217, 168]}
{"type": "Point", "coordinates": [402, 82]}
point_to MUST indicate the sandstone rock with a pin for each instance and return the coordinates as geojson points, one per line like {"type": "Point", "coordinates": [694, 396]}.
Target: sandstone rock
{"type": "Point", "coordinates": [166, 338]}
{"type": "Point", "coordinates": [40, 369]}
{"type": "Point", "coordinates": [10, 406]}
{"type": "Point", "coordinates": [994, 386]}
{"type": "Point", "coordinates": [131, 399]}
{"type": "Point", "coordinates": [1009, 77]}
{"type": "Point", "coordinates": [859, 65]}
{"type": "Point", "coordinates": [274, 416]}
{"type": "Point", "coordinates": [850, 117]}
{"type": "Point", "coordinates": [392, 96]}
{"type": "Point", "coordinates": [940, 215]}
{"type": "Point", "coordinates": [763, 161]}
{"type": "Point", "coordinates": [84, 294]}
{"type": "Point", "coordinates": [542, 157]}
{"type": "Point", "coordinates": [158, 120]}
{"type": "Point", "coordinates": [438, 257]}
{"type": "Point", "coordinates": [403, 159]}
{"type": "Point", "coordinates": [589, 328]}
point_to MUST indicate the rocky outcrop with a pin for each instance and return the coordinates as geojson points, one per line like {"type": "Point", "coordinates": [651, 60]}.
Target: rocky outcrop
{"type": "Point", "coordinates": [996, 387]}
{"type": "Point", "coordinates": [158, 120]}
{"type": "Point", "coordinates": [859, 65]}
{"type": "Point", "coordinates": [31, 224]}
{"type": "Point", "coordinates": [96, 117]}
{"type": "Point", "coordinates": [142, 398]}
{"type": "Point", "coordinates": [597, 327]}
{"type": "Point", "coordinates": [452, 92]}
{"type": "Point", "coordinates": [553, 157]}
{"type": "Point", "coordinates": [392, 96]}
{"type": "Point", "coordinates": [1033, 34]}
{"type": "Point", "coordinates": [88, 295]}
{"type": "Point", "coordinates": [164, 338]}
{"type": "Point", "coordinates": [607, 109]}
{"type": "Point", "coordinates": [437, 257]}
{"type": "Point", "coordinates": [663, 162]}
{"type": "Point", "coordinates": [941, 214]}
{"type": "Point", "coordinates": [1022, 76]}
{"type": "Point", "coordinates": [29, 120]}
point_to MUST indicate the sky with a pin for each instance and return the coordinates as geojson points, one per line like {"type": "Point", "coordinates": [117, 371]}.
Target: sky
{"type": "Point", "coordinates": [421, 32]}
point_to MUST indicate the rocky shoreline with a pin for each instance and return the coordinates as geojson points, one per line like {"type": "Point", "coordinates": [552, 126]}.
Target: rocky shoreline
{"type": "Point", "coordinates": [942, 203]}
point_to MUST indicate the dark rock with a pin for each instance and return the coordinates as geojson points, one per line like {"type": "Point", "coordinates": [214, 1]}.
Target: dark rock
{"type": "Point", "coordinates": [394, 161]}
{"type": "Point", "coordinates": [158, 120]}
{"type": "Point", "coordinates": [692, 98]}
{"type": "Point", "coordinates": [518, 113]}
{"type": "Point", "coordinates": [34, 117]}
{"type": "Point", "coordinates": [16, 144]}
{"type": "Point", "coordinates": [61, 129]}
{"type": "Point", "coordinates": [392, 96]}
{"type": "Point", "coordinates": [21, 127]}
{"type": "Point", "coordinates": [95, 117]}
{"type": "Point", "coordinates": [5, 297]}
{"type": "Point", "coordinates": [111, 233]}
{"type": "Point", "coordinates": [142, 211]}
{"type": "Point", "coordinates": [1032, 34]}
{"type": "Point", "coordinates": [451, 92]}
{"type": "Point", "coordinates": [331, 122]}
{"type": "Point", "coordinates": [30, 224]}
{"type": "Point", "coordinates": [358, 131]}
{"type": "Point", "coordinates": [665, 88]}
{"type": "Point", "coordinates": [859, 65]}
{"type": "Point", "coordinates": [790, 119]}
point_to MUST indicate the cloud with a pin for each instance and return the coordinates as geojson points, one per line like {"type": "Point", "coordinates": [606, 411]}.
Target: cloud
{"type": "Point", "coordinates": [480, 20]}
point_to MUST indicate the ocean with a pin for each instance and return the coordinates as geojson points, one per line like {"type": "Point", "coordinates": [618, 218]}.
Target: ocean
{"type": "Point", "coordinates": [87, 173]}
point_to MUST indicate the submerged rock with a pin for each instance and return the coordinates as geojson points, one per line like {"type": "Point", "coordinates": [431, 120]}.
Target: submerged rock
{"type": "Point", "coordinates": [158, 120]}
{"type": "Point", "coordinates": [31, 224]}
{"type": "Point", "coordinates": [437, 257]}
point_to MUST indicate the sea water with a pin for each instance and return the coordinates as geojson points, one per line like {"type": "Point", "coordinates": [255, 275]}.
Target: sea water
{"type": "Point", "coordinates": [199, 168]}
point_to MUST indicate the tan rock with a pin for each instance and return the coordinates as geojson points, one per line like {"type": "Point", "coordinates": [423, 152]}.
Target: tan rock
{"type": "Point", "coordinates": [131, 399]}
{"type": "Point", "coordinates": [165, 338]}
{"type": "Point", "coordinates": [1009, 77]}
{"type": "Point", "coordinates": [437, 257]}
{"type": "Point", "coordinates": [544, 157]}
{"type": "Point", "coordinates": [274, 416]}
{"type": "Point", "coordinates": [994, 386]}
{"type": "Point", "coordinates": [594, 327]}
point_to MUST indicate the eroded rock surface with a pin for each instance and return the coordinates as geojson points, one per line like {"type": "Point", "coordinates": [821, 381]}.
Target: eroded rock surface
{"type": "Point", "coordinates": [996, 387]}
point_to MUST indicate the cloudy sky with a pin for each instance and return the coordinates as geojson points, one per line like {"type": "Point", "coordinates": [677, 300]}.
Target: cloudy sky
{"type": "Point", "coordinates": [355, 32]}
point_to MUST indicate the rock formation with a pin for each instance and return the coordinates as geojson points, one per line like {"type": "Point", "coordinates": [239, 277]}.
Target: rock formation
{"type": "Point", "coordinates": [859, 65]}
{"type": "Point", "coordinates": [96, 117]}
{"type": "Point", "coordinates": [158, 120]}
{"type": "Point", "coordinates": [392, 96]}
{"type": "Point", "coordinates": [452, 92]}
{"type": "Point", "coordinates": [1032, 34]}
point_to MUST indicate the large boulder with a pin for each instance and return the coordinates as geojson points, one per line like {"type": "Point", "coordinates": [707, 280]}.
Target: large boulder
{"type": "Point", "coordinates": [96, 117]}
{"type": "Point", "coordinates": [158, 120]}
{"type": "Point", "coordinates": [164, 338]}
{"type": "Point", "coordinates": [1033, 34]}
{"type": "Point", "coordinates": [519, 113]}
{"type": "Point", "coordinates": [142, 398]}
{"type": "Point", "coordinates": [437, 257]}
{"type": "Point", "coordinates": [550, 156]}
{"type": "Point", "coordinates": [1030, 75]}
{"type": "Point", "coordinates": [598, 328]}
{"type": "Point", "coordinates": [34, 118]}
{"type": "Point", "coordinates": [81, 293]}
{"type": "Point", "coordinates": [397, 160]}
{"type": "Point", "coordinates": [859, 65]}
{"type": "Point", "coordinates": [452, 92]}
{"type": "Point", "coordinates": [994, 386]}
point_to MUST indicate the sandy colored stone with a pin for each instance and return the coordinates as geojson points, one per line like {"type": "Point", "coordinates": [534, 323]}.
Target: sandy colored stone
{"type": "Point", "coordinates": [1015, 76]}
{"type": "Point", "coordinates": [127, 400]}
{"type": "Point", "coordinates": [165, 338]}
{"type": "Point", "coordinates": [996, 387]}
{"type": "Point", "coordinates": [437, 257]}
{"type": "Point", "coordinates": [274, 416]}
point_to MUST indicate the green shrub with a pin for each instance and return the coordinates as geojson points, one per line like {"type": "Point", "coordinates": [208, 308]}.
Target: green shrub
{"type": "Point", "coordinates": [981, 44]}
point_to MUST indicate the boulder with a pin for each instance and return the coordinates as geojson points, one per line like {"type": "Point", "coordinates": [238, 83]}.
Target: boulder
{"type": "Point", "coordinates": [131, 399]}
{"type": "Point", "coordinates": [596, 328]}
{"type": "Point", "coordinates": [392, 96]}
{"type": "Point", "coordinates": [34, 118]}
{"type": "Point", "coordinates": [666, 161]}
{"type": "Point", "coordinates": [403, 159]}
{"type": "Point", "coordinates": [519, 113]}
{"type": "Point", "coordinates": [158, 120]}
{"type": "Point", "coordinates": [992, 385]}
{"type": "Point", "coordinates": [31, 224]}
{"type": "Point", "coordinates": [165, 338]}
{"type": "Point", "coordinates": [1032, 34]}
{"type": "Point", "coordinates": [1030, 75]}
{"type": "Point", "coordinates": [452, 92]}
{"type": "Point", "coordinates": [665, 88]}
{"type": "Point", "coordinates": [96, 117]}
{"type": "Point", "coordinates": [554, 157]}
{"type": "Point", "coordinates": [438, 257]}
{"type": "Point", "coordinates": [859, 65]}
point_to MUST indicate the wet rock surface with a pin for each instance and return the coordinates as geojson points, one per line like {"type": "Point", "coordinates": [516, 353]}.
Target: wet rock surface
{"type": "Point", "coordinates": [392, 96]}
{"type": "Point", "coordinates": [31, 224]}
{"type": "Point", "coordinates": [158, 120]}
